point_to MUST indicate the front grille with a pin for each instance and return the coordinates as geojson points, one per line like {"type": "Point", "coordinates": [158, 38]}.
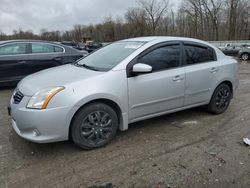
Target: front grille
{"type": "Point", "coordinates": [17, 97]}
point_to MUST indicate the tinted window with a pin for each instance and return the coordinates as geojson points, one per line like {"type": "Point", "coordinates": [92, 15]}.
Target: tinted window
{"type": "Point", "coordinates": [198, 54]}
{"type": "Point", "coordinates": [58, 49]}
{"type": "Point", "coordinates": [162, 58]}
{"type": "Point", "coordinates": [13, 49]}
{"type": "Point", "coordinates": [45, 48]}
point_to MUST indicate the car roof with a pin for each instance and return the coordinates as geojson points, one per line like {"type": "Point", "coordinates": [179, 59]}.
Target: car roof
{"type": "Point", "coordinates": [164, 39]}
{"type": "Point", "coordinates": [245, 49]}
{"type": "Point", "coordinates": [67, 48]}
{"type": "Point", "coordinates": [26, 40]}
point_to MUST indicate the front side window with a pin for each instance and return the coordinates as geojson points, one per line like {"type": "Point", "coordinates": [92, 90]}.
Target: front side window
{"type": "Point", "coordinates": [109, 56]}
{"type": "Point", "coordinates": [45, 48]}
{"type": "Point", "coordinates": [162, 58]}
{"type": "Point", "coordinates": [198, 54]}
{"type": "Point", "coordinates": [13, 49]}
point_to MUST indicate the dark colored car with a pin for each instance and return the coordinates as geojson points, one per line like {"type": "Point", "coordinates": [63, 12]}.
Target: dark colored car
{"type": "Point", "coordinates": [75, 45]}
{"type": "Point", "coordinates": [19, 58]}
{"type": "Point", "coordinates": [92, 47]}
{"type": "Point", "coordinates": [88, 47]}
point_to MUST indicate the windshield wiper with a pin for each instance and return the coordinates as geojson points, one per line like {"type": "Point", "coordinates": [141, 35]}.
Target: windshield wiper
{"type": "Point", "coordinates": [87, 67]}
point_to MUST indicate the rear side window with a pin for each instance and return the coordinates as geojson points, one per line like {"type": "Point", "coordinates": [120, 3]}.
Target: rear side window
{"type": "Point", "coordinates": [13, 49]}
{"type": "Point", "coordinates": [198, 54]}
{"type": "Point", "coordinates": [162, 58]}
{"type": "Point", "coordinates": [58, 49]}
{"type": "Point", "coordinates": [45, 48]}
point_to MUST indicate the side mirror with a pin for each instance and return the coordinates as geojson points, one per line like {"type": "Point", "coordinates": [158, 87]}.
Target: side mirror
{"type": "Point", "coordinates": [141, 68]}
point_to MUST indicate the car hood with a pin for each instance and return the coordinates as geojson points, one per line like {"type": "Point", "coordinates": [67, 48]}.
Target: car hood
{"type": "Point", "coordinates": [58, 76]}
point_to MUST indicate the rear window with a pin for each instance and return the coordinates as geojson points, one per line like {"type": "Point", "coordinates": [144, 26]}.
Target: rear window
{"type": "Point", "coordinates": [58, 49]}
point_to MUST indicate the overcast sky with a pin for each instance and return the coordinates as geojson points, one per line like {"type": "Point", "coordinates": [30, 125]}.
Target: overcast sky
{"type": "Point", "coordinates": [58, 14]}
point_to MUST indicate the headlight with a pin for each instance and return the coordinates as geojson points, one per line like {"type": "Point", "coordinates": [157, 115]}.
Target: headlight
{"type": "Point", "coordinates": [41, 99]}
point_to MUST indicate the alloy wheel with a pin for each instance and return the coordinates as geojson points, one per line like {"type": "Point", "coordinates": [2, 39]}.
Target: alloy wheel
{"type": "Point", "coordinates": [223, 98]}
{"type": "Point", "coordinates": [96, 127]}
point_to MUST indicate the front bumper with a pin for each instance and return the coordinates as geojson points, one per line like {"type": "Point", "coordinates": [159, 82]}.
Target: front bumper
{"type": "Point", "coordinates": [40, 126]}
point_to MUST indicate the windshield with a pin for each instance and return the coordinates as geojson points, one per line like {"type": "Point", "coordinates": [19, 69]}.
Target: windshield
{"type": "Point", "coordinates": [109, 56]}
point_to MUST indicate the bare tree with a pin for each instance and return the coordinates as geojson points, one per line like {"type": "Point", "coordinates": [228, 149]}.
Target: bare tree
{"type": "Point", "coordinates": [243, 20]}
{"type": "Point", "coordinates": [233, 6]}
{"type": "Point", "coordinates": [2, 36]}
{"type": "Point", "coordinates": [77, 33]}
{"type": "Point", "coordinates": [155, 10]}
{"type": "Point", "coordinates": [212, 8]}
{"type": "Point", "coordinates": [136, 20]}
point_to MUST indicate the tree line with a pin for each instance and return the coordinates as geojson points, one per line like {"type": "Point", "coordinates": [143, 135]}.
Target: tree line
{"type": "Point", "coordinates": [203, 19]}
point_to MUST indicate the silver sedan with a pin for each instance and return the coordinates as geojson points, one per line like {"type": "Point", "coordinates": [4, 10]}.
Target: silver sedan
{"type": "Point", "coordinates": [124, 82]}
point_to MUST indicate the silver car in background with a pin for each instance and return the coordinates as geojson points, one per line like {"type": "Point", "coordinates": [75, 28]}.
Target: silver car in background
{"type": "Point", "coordinates": [244, 53]}
{"type": "Point", "coordinates": [124, 82]}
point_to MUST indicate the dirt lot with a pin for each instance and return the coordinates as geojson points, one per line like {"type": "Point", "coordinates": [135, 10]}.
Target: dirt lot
{"type": "Point", "coordinates": [187, 149]}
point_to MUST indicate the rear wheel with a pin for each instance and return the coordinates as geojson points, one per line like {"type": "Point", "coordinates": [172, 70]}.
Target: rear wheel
{"type": "Point", "coordinates": [220, 99]}
{"type": "Point", "coordinates": [94, 126]}
{"type": "Point", "coordinates": [245, 56]}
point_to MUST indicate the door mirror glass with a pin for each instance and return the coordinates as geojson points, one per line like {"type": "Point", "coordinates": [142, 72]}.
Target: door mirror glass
{"type": "Point", "coordinates": [141, 68]}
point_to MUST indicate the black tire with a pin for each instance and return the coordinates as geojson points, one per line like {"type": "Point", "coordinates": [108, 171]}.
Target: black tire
{"type": "Point", "coordinates": [94, 126]}
{"type": "Point", "coordinates": [245, 56]}
{"type": "Point", "coordinates": [220, 100]}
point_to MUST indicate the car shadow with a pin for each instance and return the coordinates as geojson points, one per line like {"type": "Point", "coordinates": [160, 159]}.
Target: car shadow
{"type": "Point", "coordinates": [22, 147]}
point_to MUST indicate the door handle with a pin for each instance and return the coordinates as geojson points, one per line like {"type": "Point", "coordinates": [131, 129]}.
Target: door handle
{"type": "Point", "coordinates": [214, 70]}
{"type": "Point", "coordinates": [22, 62]}
{"type": "Point", "coordinates": [178, 78]}
{"type": "Point", "coordinates": [58, 58]}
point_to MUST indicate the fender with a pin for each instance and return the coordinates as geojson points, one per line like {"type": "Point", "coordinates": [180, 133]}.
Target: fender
{"type": "Point", "coordinates": [99, 96]}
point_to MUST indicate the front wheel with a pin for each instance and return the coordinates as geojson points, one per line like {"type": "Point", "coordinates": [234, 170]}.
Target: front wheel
{"type": "Point", "coordinates": [220, 99]}
{"type": "Point", "coordinates": [94, 126]}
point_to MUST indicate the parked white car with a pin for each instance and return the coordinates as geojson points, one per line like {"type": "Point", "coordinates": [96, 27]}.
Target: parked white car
{"type": "Point", "coordinates": [124, 82]}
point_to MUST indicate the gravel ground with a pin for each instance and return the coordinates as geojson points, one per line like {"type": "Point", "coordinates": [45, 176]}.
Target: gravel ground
{"type": "Point", "coordinates": [186, 149]}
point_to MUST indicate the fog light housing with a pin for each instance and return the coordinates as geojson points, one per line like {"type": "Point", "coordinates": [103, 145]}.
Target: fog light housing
{"type": "Point", "coordinates": [35, 132]}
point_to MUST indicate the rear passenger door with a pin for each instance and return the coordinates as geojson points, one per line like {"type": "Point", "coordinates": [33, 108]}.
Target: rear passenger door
{"type": "Point", "coordinates": [202, 69]}
{"type": "Point", "coordinates": [44, 55]}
